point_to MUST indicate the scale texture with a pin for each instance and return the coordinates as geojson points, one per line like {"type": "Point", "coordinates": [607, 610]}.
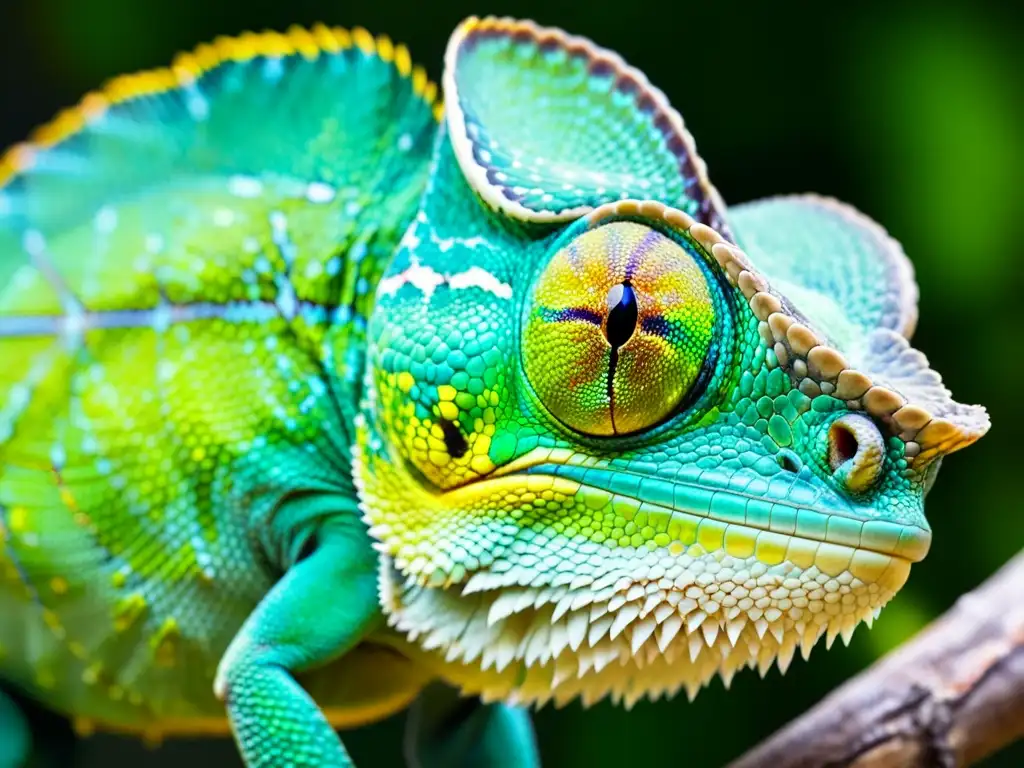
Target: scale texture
{"type": "Point", "coordinates": [316, 397]}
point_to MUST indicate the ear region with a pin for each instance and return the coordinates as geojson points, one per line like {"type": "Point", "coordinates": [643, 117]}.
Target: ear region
{"type": "Point", "coordinates": [547, 126]}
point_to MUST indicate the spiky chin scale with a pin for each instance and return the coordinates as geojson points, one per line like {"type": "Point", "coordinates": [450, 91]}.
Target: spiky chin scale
{"type": "Point", "coordinates": [626, 639]}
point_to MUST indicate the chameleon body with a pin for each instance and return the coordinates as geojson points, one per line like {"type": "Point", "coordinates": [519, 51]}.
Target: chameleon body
{"type": "Point", "coordinates": [313, 393]}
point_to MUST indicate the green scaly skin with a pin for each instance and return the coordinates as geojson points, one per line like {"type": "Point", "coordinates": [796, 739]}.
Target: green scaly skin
{"type": "Point", "coordinates": [309, 400]}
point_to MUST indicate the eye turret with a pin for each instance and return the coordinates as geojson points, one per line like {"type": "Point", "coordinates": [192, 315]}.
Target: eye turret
{"type": "Point", "coordinates": [619, 330]}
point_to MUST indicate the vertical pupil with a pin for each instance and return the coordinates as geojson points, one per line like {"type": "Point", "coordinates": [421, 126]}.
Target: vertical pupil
{"type": "Point", "coordinates": [622, 314]}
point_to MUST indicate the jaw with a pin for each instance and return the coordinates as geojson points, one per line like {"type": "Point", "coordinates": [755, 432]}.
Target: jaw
{"type": "Point", "coordinates": [651, 627]}
{"type": "Point", "coordinates": [551, 579]}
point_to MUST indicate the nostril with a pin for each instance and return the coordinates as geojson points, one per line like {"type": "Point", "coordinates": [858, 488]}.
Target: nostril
{"type": "Point", "coordinates": [856, 452]}
{"type": "Point", "coordinates": [789, 461]}
{"type": "Point", "coordinates": [842, 444]}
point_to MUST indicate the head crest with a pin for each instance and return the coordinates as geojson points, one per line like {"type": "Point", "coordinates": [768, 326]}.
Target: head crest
{"type": "Point", "coordinates": [547, 126]}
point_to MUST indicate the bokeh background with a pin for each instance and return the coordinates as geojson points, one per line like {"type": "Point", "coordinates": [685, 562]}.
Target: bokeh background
{"type": "Point", "coordinates": [910, 113]}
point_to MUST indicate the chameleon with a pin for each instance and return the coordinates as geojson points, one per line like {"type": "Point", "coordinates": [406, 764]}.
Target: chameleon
{"type": "Point", "coordinates": [320, 399]}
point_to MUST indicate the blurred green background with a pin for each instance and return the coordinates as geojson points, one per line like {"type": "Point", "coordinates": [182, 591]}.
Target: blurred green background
{"type": "Point", "coordinates": [911, 114]}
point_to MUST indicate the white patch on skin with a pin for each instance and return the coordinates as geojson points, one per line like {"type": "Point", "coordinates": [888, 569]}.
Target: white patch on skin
{"type": "Point", "coordinates": [106, 220]}
{"type": "Point", "coordinates": [445, 244]}
{"type": "Point", "coordinates": [273, 69]}
{"type": "Point", "coordinates": [478, 277]}
{"type": "Point", "coordinates": [427, 281]}
{"type": "Point", "coordinates": [279, 234]}
{"type": "Point", "coordinates": [318, 192]}
{"type": "Point", "coordinates": [286, 300]}
{"type": "Point", "coordinates": [154, 243]}
{"type": "Point", "coordinates": [410, 240]}
{"type": "Point", "coordinates": [278, 224]}
{"type": "Point", "coordinates": [223, 217]}
{"type": "Point", "coordinates": [423, 278]}
{"type": "Point", "coordinates": [313, 270]}
{"type": "Point", "coordinates": [244, 186]}
{"type": "Point", "coordinates": [33, 242]}
{"type": "Point", "coordinates": [74, 325]}
{"type": "Point", "coordinates": [197, 105]}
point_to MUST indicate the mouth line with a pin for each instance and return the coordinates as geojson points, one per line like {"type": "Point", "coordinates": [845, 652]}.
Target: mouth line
{"type": "Point", "coordinates": [720, 517]}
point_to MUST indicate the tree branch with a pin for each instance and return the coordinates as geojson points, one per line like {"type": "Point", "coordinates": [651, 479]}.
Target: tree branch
{"type": "Point", "coordinates": [949, 697]}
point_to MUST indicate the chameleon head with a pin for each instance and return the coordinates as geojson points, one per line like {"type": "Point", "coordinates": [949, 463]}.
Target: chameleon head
{"type": "Point", "coordinates": [604, 452]}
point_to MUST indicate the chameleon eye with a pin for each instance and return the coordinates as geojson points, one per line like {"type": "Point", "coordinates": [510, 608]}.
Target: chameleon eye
{"type": "Point", "coordinates": [620, 326]}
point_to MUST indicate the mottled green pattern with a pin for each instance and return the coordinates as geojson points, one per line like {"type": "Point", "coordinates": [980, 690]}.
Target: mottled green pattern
{"type": "Point", "coordinates": [292, 424]}
{"type": "Point", "coordinates": [183, 293]}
